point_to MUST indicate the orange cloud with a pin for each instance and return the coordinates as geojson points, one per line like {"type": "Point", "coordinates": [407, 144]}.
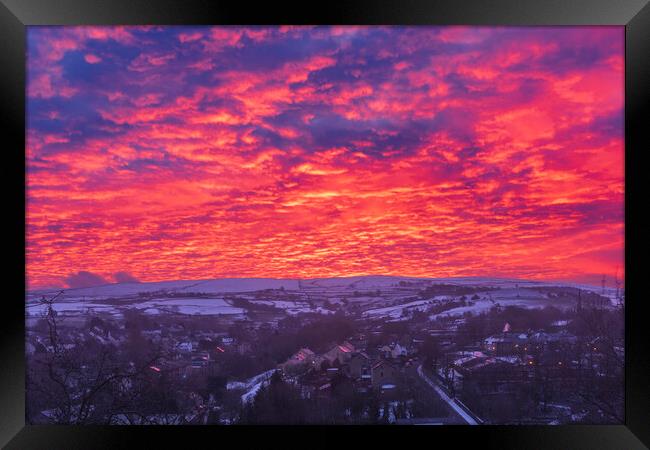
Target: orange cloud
{"type": "Point", "coordinates": [318, 151]}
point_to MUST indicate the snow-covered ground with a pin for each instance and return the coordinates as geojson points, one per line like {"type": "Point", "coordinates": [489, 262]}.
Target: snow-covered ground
{"type": "Point", "coordinates": [282, 304]}
{"type": "Point", "coordinates": [252, 385]}
{"type": "Point", "coordinates": [293, 308]}
{"type": "Point", "coordinates": [37, 309]}
{"type": "Point", "coordinates": [190, 306]}
{"type": "Point", "coordinates": [225, 285]}
{"type": "Point", "coordinates": [206, 306]}
{"type": "Point", "coordinates": [121, 289]}
{"type": "Point", "coordinates": [477, 308]}
{"type": "Point", "coordinates": [374, 296]}
{"type": "Point", "coordinates": [397, 310]}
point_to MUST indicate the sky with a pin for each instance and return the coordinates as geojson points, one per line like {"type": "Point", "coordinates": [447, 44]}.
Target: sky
{"type": "Point", "coordinates": [163, 153]}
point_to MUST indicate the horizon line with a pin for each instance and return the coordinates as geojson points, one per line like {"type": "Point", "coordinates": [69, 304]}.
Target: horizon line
{"type": "Point", "coordinates": [550, 281]}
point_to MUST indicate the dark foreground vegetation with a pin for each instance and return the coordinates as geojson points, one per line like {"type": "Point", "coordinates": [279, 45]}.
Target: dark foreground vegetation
{"type": "Point", "coordinates": [505, 365]}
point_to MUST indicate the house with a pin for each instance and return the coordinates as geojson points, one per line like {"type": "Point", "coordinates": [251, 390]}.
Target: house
{"type": "Point", "coordinates": [360, 341]}
{"type": "Point", "coordinates": [384, 373]}
{"type": "Point", "coordinates": [185, 347]}
{"type": "Point", "coordinates": [301, 359]}
{"type": "Point", "coordinates": [204, 355]}
{"type": "Point", "coordinates": [386, 352]}
{"type": "Point", "coordinates": [304, 355]}
{"type": "Point", "coordinates": [537, 341]}
{"type": "Point", "coordinates": [488, 374]}
{"type": "Point", "coordinates": [560, 339]}
{"type": "Point", "coordinates": [505, 344]}
{"type": "Point", "coordinates": [560, 324]}
{"type": "Point", "coordinates": [398, 350]}
{"type": "Point", "coordinates": [198, 362]}
{"type": "Point", "coordinates": [358, 366]}
{"type": "Point", "coordinates": [332, 372]}
{"type": "Point", "coordinates": [177, 369]}
{"type": "Point", "coordinates": [393, 351]}
{"type": "Point", "coordinates": [342, 353]}
{"type": "Point", "coordinates": [227, 340]}
{"type": "Point", "coordinates": [451, 371]}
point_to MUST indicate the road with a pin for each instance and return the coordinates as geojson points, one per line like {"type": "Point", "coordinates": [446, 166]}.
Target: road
{"type": "Point", "coordinates": [451, 402]}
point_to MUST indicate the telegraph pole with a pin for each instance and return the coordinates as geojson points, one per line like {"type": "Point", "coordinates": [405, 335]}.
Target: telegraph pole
{"type": "Point", "coordinates": [618, 289]}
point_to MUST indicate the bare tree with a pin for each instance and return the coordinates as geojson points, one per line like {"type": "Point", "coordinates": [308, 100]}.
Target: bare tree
{"type": "Point", "coordinates": [77, 380]}
{"type": "Point", "coordinates": [602, 386]}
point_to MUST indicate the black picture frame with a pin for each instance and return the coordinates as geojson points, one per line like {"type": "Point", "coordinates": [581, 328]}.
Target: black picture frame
{"type": "Point", "coordinates": [15, 15]}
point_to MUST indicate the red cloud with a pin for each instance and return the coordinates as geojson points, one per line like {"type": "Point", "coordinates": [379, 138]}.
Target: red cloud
{"type": "Point", "coordinates": [305, 152]}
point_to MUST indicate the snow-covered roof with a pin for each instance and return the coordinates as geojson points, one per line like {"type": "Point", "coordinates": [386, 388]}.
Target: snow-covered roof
{"type": "Point", "coordinates": [346, 347]}
{"type": "Point", "coordinates": [510, 338]}
{"type": "Point", "coordinates": [302, 354]}
{"type": "Point", "coordinates": [381, 363]}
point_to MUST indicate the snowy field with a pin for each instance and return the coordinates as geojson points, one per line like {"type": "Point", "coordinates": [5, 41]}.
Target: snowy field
{"type": "Point", "coordinates": [203, 306]}
{"type": "Point", "coordinates": [206, 306]}
{"type": "Point", "coordinates": [397, 310]}
{"type": "Point", "coordinates": [226, 285]}
{"type": "Point", "coordinates": [69, 308]}
{"type": "Point", "coordinates": [393, 296]}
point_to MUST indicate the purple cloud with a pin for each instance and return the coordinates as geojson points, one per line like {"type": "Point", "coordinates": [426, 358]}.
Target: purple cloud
{"type": "Point", "coordinates": [84, 279]}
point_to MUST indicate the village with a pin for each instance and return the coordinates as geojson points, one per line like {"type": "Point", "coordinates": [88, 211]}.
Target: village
{"type": "Point", "coordinates": [507, 364]}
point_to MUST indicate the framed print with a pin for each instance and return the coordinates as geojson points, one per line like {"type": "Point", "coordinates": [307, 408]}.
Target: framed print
{"type": "Point", "coordinates": [392, 220]}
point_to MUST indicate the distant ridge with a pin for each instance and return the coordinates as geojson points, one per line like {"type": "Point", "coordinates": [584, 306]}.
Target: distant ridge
{"type": "Point", "coordinates": [255, 284]}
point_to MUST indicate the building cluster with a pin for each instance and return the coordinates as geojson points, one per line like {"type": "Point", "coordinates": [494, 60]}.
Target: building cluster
{"type": "Point", "coordinates": [380, 368]}
{"type": "Point", "coordinates": [381, 356]}
{"type": "Point", "coordinates": [552, 363]}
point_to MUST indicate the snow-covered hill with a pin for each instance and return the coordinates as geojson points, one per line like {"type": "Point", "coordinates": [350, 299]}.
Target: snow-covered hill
{"type": "Point", "coordinates": [373, 296]}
